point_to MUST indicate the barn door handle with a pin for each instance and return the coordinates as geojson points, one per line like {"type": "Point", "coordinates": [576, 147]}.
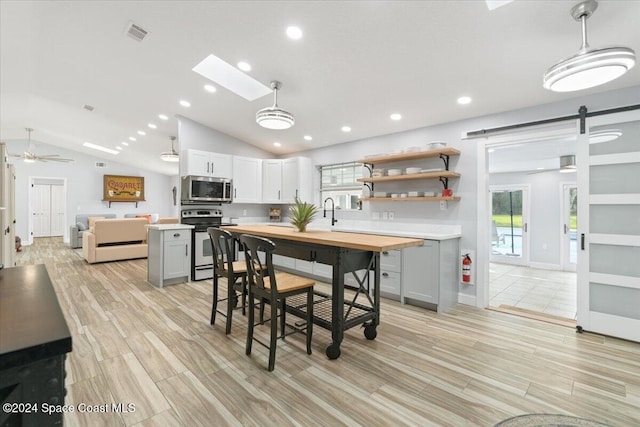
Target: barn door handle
{"type": "Point", "coordinates": [582, 241]}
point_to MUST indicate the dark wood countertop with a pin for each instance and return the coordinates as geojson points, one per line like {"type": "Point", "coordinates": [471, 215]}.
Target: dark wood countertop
{"type": "Point", "coordinates": [32, 326]}
{"type": "Point", "coordinates": [365, 242]}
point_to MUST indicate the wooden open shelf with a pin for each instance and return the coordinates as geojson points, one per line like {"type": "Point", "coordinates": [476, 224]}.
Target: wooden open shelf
{"type": "Point", "coordinates": [410, 156]}
{"type": "Point", "coordinates": [412, 199]}
{"type": "Point", "coordinates": [424, 175]}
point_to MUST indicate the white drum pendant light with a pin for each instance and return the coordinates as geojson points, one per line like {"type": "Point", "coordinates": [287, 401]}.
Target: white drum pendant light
{"type": "Point", "coordinates": [170, 156]}
{"type": "Point", "coordinates": [275, 117]}
{"type": "Point", "coordinates": [588, 67]}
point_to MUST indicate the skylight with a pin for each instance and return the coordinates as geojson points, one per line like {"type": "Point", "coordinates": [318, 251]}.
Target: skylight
{"type": "Point", "coordinates": [229, 77]}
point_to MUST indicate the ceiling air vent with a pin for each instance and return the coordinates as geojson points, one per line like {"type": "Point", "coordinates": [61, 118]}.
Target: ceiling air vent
{"type": "Point", "coordinates": [88, 107]}
{"type": "Point", "coordinates": [136, 32]}
{"type": "Point", "coordinates": [101, 165]}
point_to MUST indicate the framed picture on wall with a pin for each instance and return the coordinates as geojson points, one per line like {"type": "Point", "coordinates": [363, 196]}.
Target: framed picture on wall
{"type": "Point", "coordinates": [122, 188]}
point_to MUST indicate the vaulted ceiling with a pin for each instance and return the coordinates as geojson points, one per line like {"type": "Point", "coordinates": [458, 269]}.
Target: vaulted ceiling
{"type": "Point", "coordinates": [357, 63]}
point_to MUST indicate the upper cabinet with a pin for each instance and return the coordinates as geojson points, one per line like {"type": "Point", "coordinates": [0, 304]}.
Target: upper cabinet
{"type": "Point", "coordinates": [297, 179]}
{"type": "Point", "coordinates": [204, 163]}
{"type": "Point", "coordinates": [272, 181]}
{"type": "Point", "coordinates": [247, 180]}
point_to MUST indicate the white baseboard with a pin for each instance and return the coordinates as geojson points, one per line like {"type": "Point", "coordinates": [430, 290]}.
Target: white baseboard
{"type": "Point", "coordinates": [467, 299]}
{"type": "Point", "coordinates": [545, 266]}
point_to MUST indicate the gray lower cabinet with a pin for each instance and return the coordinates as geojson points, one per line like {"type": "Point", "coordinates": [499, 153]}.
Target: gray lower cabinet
{"type": "Point", "coordinates": [430, 274]}
{"type": "Point", "coordinates": [169, 256]}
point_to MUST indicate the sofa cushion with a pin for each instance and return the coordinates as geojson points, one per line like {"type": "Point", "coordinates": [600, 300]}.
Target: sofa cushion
{"type": "Point", "coordinates": [120, 230]}
{"type": "Point", "coordinates": [92, 219]}
{"type": "Point", "coordinates": [148, 217]}
{"type": "Point", "coordinates": [81, 226]}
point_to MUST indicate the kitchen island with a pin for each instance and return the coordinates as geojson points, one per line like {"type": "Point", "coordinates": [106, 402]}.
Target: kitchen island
{"type": "Point", "coordinates": [346, 253]}
{"type": "Point", "coordinates": [34, 340]}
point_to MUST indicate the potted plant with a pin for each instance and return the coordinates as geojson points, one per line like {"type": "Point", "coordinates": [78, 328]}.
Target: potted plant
{"type": "Point", "coordinates": [302, 213]}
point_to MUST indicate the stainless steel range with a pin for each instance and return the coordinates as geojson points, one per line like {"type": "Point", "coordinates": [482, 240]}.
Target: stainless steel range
{"type": "Point", "coordinates": [201, 254]}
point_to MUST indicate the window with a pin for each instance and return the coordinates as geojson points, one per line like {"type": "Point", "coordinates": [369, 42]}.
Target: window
{"type": "Point", "coordinates": [339, 182]}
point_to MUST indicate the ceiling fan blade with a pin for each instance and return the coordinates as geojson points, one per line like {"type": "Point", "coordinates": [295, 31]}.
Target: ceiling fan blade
{"type": "Point", "coordinates": [55, 159]}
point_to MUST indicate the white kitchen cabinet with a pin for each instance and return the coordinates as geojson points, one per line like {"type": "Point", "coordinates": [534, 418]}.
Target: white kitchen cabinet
{"type": "Point", "coordinates": [297, 176]}
{"type": "Point", "coordinates": [205, 163]}
{"type": "Point", "coordinates": [247, 180]}
{"type": "Point", "coordinates": [272, 181]}
{"type": "Point", "coordinates": [169, 260]}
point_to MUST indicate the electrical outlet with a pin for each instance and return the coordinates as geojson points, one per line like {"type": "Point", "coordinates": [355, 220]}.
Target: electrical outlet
{"type": "Point", "coordinates": [391, 215]}
{"type": "Point", "coordinates": [385, 215]}
{"type": "Point", "coordinates": [443, 205]}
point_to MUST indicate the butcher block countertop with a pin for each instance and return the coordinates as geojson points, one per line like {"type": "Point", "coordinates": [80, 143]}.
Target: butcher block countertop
{"type": "Point", "coordinates": [365, 242]}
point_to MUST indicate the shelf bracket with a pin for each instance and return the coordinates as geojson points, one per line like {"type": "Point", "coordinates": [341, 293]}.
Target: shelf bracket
{"type": "Point", "coordinates": [445, 181]}
{"type": "Point", "coordinates": [370, 167]}
{"type": "Point", "coordinates": [121, 202]}
{"type": "Point", "coordinates": [445, 159]}
{"type": "Point", "coordinates": [369, 185]}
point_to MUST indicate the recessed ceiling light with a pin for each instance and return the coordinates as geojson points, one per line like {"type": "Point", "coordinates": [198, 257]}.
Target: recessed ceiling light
{"type": "Point", "coordinates": [101, 148]}
{"type": "Point", "coordinates": [141, 132]}
{"type": "Point", "coordinates": [277, 144]}
{"type": "Point", "coordinates": [229, 77]}
{"type": "Point", "coordinates": [152, 126]}
{"type": "Point", "coordinates": [395, 116]}
{"type": "Point", "coordinates": [308, 138]}
{"type": "Point", "coordinates": [210, 88]}
{"type": "Point", "coordinates": [185, 103]}
{"type": "Point", "coordinates": [244, 66]}
{"type": "Point", "coordinates": [163, 117]}
{"type": "Point", "coordinates": [124, 143]}
{"type": "Point", "coordinates": [131, 138]}
{"type": "Point", "coordinates": [118, 148]}
{"type": "Point", "coordinates": [345, 129]}
{"type": "Point", "coordinates": [464, 100]}
{"type": "Point", "coordinates": [294, 32]}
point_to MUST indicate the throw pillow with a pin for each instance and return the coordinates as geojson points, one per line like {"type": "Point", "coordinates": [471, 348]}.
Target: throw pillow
{"type": "Point", "coordinates": [148, 217]}
{"type": "Point", "coordinates": [81, 226]}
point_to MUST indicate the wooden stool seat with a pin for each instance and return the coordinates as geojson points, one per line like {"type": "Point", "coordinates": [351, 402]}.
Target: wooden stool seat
{"type": "Point", "coordinates": [289, 282]}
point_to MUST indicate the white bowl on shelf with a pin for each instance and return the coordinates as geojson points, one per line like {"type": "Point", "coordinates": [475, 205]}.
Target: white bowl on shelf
{"type": "Point", "coordinates": [394, 172]}
{"type": "Point", "coordinates": [395, 195]}
{"type": "Point", "coordinates": [435, 145]}
{"type": "Point", "coordinates": [380, 194]}
{"type": "Point", "coordinates": [429, 194]}
{"type": "Point", "coordinates": [403, 194]}
{"type": "Point", "coordinates": [410, 171]}
{"type": "Point", "coordinates": [414, 193]}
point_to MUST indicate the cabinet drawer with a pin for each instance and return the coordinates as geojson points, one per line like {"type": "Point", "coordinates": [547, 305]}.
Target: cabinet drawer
{"type": "Point", "coordinates": [170, 235]}
{"type": "Point", "coordinates": [390, 282]}
{"type": "Point", "coordinates": [391, 261]}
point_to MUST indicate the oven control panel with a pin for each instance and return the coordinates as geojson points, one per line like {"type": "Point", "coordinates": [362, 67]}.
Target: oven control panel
{"type": "Point", "coordinates": [202, 213]}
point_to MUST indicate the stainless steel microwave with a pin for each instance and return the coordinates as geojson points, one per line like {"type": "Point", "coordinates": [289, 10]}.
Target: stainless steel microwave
{"type": "Point", "coordinates": [205, 189]}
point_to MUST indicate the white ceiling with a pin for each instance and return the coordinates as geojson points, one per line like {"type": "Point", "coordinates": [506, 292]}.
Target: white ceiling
{"type": "Point", "coordinates": [357, 63]}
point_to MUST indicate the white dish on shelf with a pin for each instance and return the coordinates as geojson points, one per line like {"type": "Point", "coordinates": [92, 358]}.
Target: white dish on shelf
{"type": "Point", "coordinates": [410, 171]}
{"type": "Point", "coordinates": [380, 194]}
{"type": "Point", "coordinates": [414, 193]}
{"type": "Point", "coordinates": [395, 195]}
{"type": "Point", "coordinates": [437, 144]}
{"type": "Point", "coordinates": [432, 170]}
{"type": "Point", "coordinates": [429, 194]}
{"type": "Point", "coordinates": [403, 194]}
{"type": "Point", "coordinates": [394, 172]}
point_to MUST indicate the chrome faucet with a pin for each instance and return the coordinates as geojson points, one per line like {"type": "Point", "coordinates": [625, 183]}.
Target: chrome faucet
{"type": "Point", "coordinates": [333, 205]}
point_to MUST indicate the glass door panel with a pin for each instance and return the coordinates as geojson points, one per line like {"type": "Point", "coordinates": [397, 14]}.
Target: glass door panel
{"type": "Point", "coordinates": [609, 232]}
{"type": "Point", "coordinates": [569, 256]}
{"type": "Point", "coordinates": [508, 225]}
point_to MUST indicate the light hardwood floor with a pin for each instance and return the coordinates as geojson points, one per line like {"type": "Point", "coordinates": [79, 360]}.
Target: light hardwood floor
{"type": "Point", "coordinates": [133, 343]}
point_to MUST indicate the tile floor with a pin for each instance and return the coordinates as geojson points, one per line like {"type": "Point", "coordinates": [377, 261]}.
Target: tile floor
{"type": "Point", "coordinates": [545, 291]}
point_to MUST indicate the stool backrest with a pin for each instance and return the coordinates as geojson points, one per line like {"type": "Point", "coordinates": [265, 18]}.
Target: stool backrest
{"type": "Point", "coordinates": [222, 248]}
{"type": "Point", "coordinates": [257, 249]}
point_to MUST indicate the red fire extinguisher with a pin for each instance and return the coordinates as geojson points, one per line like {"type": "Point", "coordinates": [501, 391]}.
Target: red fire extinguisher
{"type": "Point", "coordinates": [466, 269]}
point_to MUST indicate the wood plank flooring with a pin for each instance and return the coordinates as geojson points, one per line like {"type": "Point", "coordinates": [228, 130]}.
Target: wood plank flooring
{"type": "Point", "coordinates": [133, 343]}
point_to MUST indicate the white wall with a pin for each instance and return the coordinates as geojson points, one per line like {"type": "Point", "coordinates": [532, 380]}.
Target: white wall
{"type": "Point", "coordinates": [465, 211]}
{"type": "Point", "coordinates": [544, 224]}
{"type": "Point", "coordinates": [84, 186]}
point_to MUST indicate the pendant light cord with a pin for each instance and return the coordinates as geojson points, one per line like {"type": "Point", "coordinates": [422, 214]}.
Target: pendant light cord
{"type": "Point", "coordinates": [583, 19]}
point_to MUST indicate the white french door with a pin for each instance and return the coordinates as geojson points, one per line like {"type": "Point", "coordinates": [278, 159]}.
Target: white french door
{"type": "Point", "coordinates": [41, 199]}
{"type": "Point", "coordinates": [48, 207]}
{"type": "Point", "coordinates": [609, 229]}
{"type": "Point", "coordinates": [509, 224]}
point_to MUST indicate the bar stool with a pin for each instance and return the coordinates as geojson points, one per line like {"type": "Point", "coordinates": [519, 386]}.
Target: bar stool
{"type": "Point", "coordinates": [222, 244]}
{"type": "Point", "coordinates": [273, 288]}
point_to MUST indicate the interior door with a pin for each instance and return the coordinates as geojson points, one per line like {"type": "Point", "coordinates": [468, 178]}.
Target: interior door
{"type": "Point", "coordinates": [41, 202]}
{"type": "Point", "coordinates": [57, 212]}
{"type": "Point", "coordinates": [569, 232]}
{"type": "Point", "coordinates": [510, 229]}
{"type": "Point", "coordinates": [609, 231]}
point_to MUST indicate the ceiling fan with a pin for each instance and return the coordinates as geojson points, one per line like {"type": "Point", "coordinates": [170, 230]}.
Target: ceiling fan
{"type": "Point", "coordinates": [30, 157]}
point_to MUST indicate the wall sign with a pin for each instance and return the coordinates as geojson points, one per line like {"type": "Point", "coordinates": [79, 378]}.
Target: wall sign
{"type": "Point", "coordinates": [120, 188]}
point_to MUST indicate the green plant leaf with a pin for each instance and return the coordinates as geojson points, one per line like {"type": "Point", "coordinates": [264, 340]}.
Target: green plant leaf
{"type": "Point", "coordinates": [302, 213]}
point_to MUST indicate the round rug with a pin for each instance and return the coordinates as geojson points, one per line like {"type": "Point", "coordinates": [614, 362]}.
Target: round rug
{"type": "Point", "coordinates": [548, 420]}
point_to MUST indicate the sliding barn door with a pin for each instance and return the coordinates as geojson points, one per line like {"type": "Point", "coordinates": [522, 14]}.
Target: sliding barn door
{"type": "Point", "coordinates": [609, 228]}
